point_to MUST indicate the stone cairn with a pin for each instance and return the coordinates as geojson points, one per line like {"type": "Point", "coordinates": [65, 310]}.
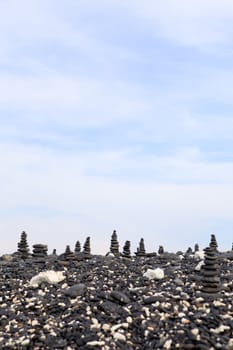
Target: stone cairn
{"type": "Point", "coordinates": [141, 249]}
{"type": "Point", "coordinates": [40, 251]}
{"type": "Point", "coordinates": [77, 248]}
{"type": "Point", "coordinates": [126, 250]}
{"type": "Point", "coordinates": [23, 249]}
{"type": "Point", "coordinates": [69, 255]}
{"type": "Point", "coordinates": [189, 251]}
{"type": "Point", "coordinates": [213, 242]}
{"type": "Point", "coordinates": [114, 247]}
{"type": "Point", "coordinates": [161, 250]}
{"type": "Point", "coordinates": [54, 252]}
{"type": "Point", "coordinates": [210, 272]}
{"type": "Point", "coordinates": [196, 248]}
{"type": "Point", "coordinates": [87, 247]}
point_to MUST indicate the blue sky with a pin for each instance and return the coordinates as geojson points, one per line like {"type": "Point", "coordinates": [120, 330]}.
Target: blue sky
{"type": "Point", "coordinates": [116, 115]}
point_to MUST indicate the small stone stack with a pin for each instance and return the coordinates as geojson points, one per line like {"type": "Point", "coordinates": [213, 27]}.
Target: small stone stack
{"type": "Point", "coordinates": [141, 249]}
{"type": "Point", "coordinates": [213, 242]}
{"type": "Point", "coordinates": [69, 255]}
{"type": "Point", "coordinates": [77, 248]}
{"type": "Point", "coordinates": [87, 247]}
{"type": "Point", "coordinates": [40, 251]}
{"type": "Point", "coordinates": [114, 247]}
{"type": "Point", "coordinates": [161, 250]}
{"type": "Point", "coordinates": [189, 251]}
{"type": "Point", "coordinates": [210, 272]}
{"type": "Point", "coordinates": [54, 252]}
{"type": "Point", "coordinates": [23, 249]}
{"type": "Point", "coordinates": [126, 250]}
{"type": "Point", "coordinates": [196, 248]}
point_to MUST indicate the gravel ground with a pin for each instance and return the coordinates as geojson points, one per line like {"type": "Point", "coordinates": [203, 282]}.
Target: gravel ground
{"type": "Point", "coordinates": [107, 303]}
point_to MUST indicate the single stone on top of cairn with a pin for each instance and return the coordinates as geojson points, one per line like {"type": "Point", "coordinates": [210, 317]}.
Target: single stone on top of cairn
{"type": "Point", "coordinates": [114, 247]}
{"type": "Point", "coordinates": [196, 248]}
{"type": "Point", "coordinates": [210, 272]}
{"type": "Point", "coordinates": [87, 247]}
{"type": "Point", "coordinates": [77, 248]}
{"type": "Point", "coordinates": [141, 249]}
{"type": "Point", "coordinates": [23, 249]}
{"type": "Point", "coordinates": [40, 251]}
{"type": "Point", "coordinates": [189, 251]}
{"type": "Point", "coordinates": [213, 242]}
{"type": "Point", "coordinates": [126, 250]}
{"type": "Point", "coordinates": [161, 250]}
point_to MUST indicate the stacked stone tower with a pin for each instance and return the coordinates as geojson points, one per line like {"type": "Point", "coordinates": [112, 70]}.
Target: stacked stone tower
{"type": "Point", "coordinates": [161, 250]}
{"type": "Point", "coordinates": [126, 250]}
{"type": "Point", "coordinates": [141, 249]}
{"type": "Point", "coordinates": [196, 248]}
{"type": "Point", "coordinates": [40, 251]}
{"type": "Point", "coordinates": [69, 255]}
{"type": "Point", "coordinates": [87, 247]}
{"type": "Point", "coordinates": [210, 272]}
{"type": "Point", "coordinates": [114, 247]}
{"type": "Point", "coordinates": [77, 248]}
{"type": "Point", "coordinates": [23, 249]}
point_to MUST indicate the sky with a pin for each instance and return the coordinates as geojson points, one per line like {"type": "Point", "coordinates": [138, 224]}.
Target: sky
{"type": "Point", "coordinates": [116, 115]}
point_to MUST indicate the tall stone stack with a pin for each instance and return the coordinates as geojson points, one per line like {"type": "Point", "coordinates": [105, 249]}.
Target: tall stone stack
{"type": "Point", "coordinates": [210, 272]}
{"type": "Point", "coordinates": [114, 247]}
{"type": "Point", "coordinates": [213, 242]}
{"type": "Point", "coordinates": [69, 255]}
{"type": "Point", "coordinates": [87, 247]}
{"type": "Point", "coordinates": [126, 250]}
{"type": "Point", "coordinates": [77, 248]}
{"type": "Point", "coordinates": [141, 251]}
{"type": "Point", "coordinates": [23, 249]}
{"type": "Point", "coordinates": [196, 248]}
{"type": "Point", "coordinates": [40, 251]}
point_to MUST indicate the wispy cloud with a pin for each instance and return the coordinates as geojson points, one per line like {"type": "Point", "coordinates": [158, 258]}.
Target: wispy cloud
{"type": "Point", "coordinates": [116, 115]}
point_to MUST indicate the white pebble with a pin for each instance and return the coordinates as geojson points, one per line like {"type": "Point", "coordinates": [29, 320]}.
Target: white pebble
{"type": "Point", "coordinates": [119, 336]}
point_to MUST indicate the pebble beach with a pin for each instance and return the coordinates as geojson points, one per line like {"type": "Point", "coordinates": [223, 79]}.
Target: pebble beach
{"type": "Point", "coordinates": [114, 302]}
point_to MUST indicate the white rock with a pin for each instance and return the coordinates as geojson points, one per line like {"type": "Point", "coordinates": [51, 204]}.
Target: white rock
{"type": "Point", "coordinates": [96, 343]}
{"type": "Point", "coordinates": [50, 276]}
{"type": "Point", "coordinates": [154, 274]}
{"type": "Point", "coordinates": [167, 344]}
{"type": "Point", "coordinates": [199, 255]}
{"type": "Point", "coordinates": [220, 329]}
{"type": "Point", "coordinates": [199, 265]}
{"type": "Point", "coordinates": [119, 336]}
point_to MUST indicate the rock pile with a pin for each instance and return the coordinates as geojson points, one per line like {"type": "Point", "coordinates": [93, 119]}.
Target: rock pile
{"type": "Point", "coordinates": [77, 248]}
{"type": "Point", "coordinates": [210, 271]}
{"type": "Point", "coordinates": [69, 255]}
{"type": "Point", "coordinates": [87, 247]}
{"type": "Point", "coordinates": [126, 250]}
{"type": "Point", "coordinates": [141, 251]}
{"type": "Point", "coordinates": [114, 247]}
{"type": "Point", "coordinates": [23, 249]}
{"type": "Point", "coordinates": [40, 251]}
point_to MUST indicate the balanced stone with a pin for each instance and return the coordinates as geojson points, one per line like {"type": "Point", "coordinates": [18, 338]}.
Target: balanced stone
{"type": "Point", "coordinates": [126, 249]}
{"type": "Point", "coordinates": [114, 247]}
{"type": "Point", "coordinates": [87, 247]}
{"type": "Point", "coordinates": [141, 249]}
{"type": "Point", "coordinates": [23, 249]}
{"type": "Point", "coordinates": [77, 248]}
{"type": "Point", "coordinates": [69, 255]}
{"type": "Point", "coordinates": [40, 250]}
{"type": "Point", "coordinates": [210, 272]}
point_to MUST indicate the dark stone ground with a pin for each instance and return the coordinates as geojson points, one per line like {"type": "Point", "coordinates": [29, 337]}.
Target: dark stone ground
{"type": "Point", "coordinates": [112, 306]}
